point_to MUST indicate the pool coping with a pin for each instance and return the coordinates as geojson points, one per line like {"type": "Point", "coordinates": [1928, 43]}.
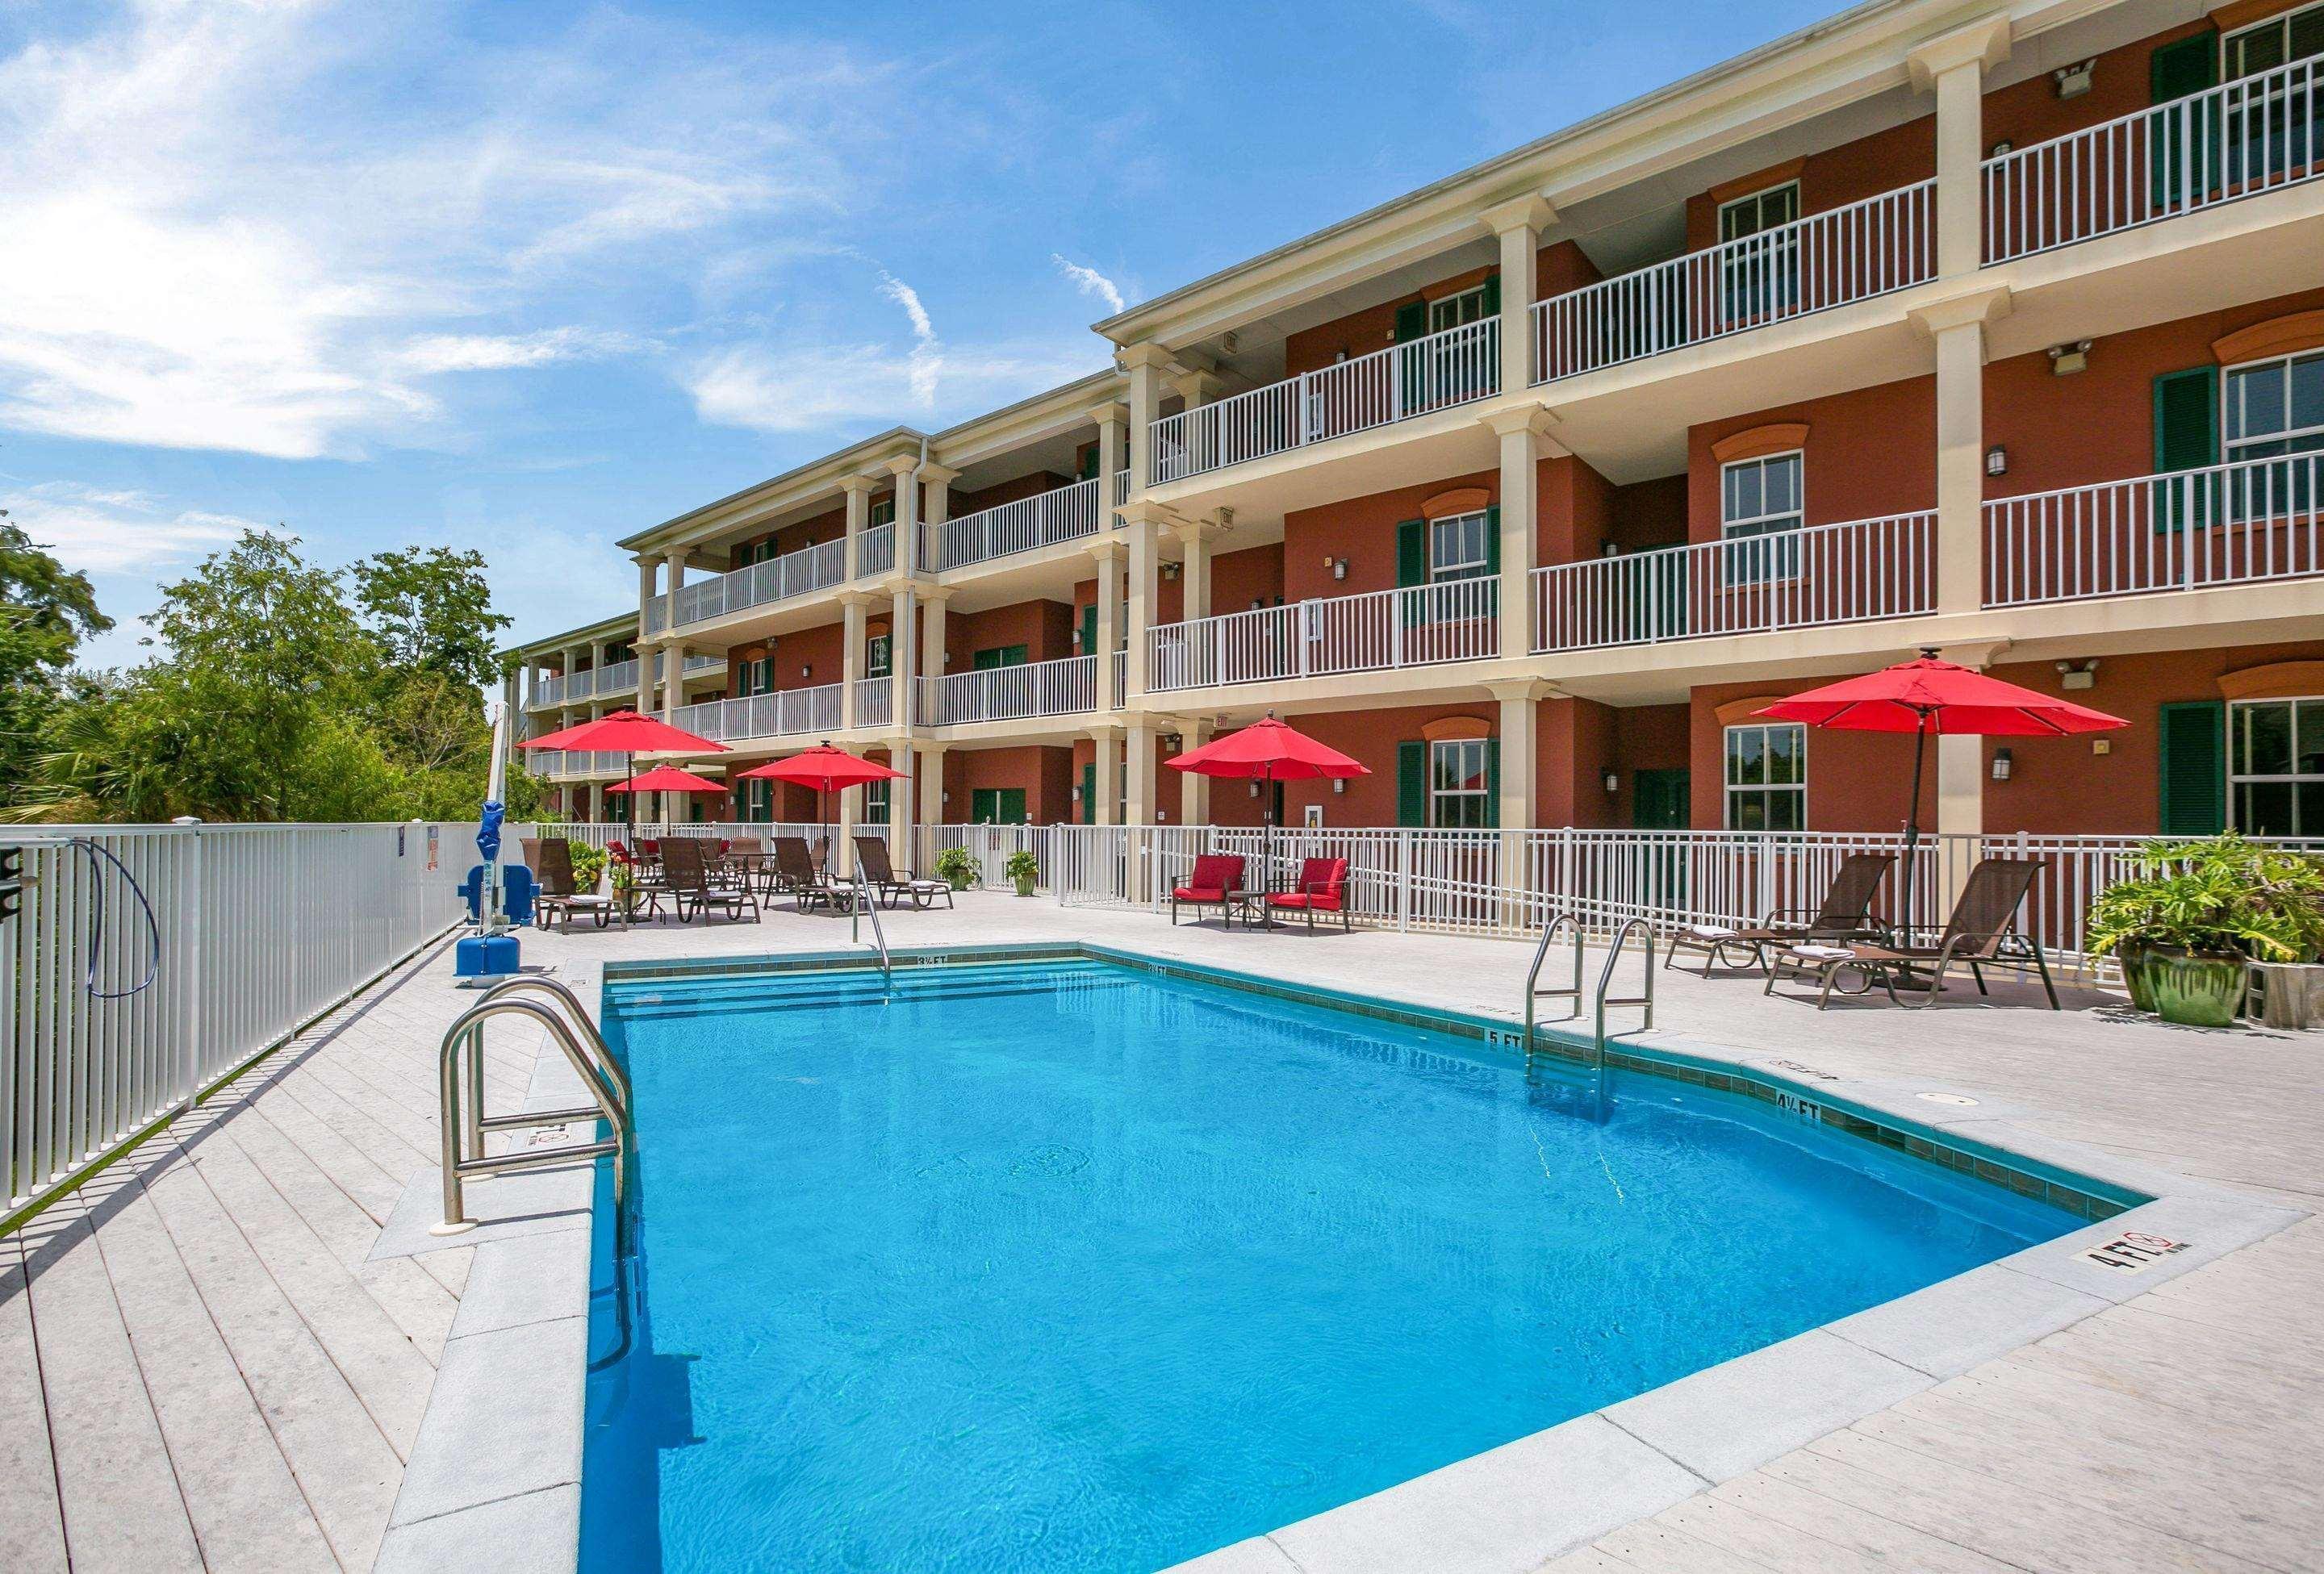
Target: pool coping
{"type": "Point", "coordinates": [519, 1370]}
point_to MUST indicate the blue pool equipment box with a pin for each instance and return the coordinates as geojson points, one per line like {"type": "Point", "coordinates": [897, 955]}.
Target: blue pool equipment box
{"type": "Point", "coordinates": [485, 956]}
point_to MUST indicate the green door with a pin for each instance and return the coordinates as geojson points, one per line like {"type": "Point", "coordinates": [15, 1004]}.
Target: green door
{"type": "Point", "coordinates": [1089, 793]}
{"type": "Point", "coordinates": [997, 806]}
{"type": "Point", "coordinates": [1089, 629]}
{"type": "Point", "coordinates": [1659, 800]}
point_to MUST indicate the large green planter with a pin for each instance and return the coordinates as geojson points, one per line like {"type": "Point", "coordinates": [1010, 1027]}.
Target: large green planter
{"type": "Point", "coordinates": [2136, 956]}
{"type": "Point", "coordinates": [2198, 991]}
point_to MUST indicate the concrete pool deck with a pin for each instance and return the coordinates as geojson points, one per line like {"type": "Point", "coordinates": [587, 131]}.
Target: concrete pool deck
{"type": "Point", "coordinates": [207, 1367]}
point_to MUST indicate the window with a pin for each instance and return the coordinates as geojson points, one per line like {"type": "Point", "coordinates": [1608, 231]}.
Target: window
{"type": "Point", "coordinates": [883, 512]}
{"type": "Point", "coordinates": [1762, 497]}
{"type": "Point", "coordinates": [1456, 311]}
{"type": "Point", "coordinates": [1460, 784]}
{"type": "Point", "coordinates": [1767, 778]}
{"type": "Point", "coordinates": [1760, 278]}
{"type": "Point", "coordinates": [1459, 545]}
{"type": "Point", "coordinates": [2269, 409]}
{"type": "Point", "coordinates": [1761, 211]}
{"type": "Point", "coordinates": [2276, 767]}
{"type": "Point", "coordinates": [875, 656]}
{"type": "Point", "coordinates": [998, 655]}
{"type": "Point", "coordinates": [2295, 35]}
{"type": "Point", "coordinates": [754, 800]}
{"type": "Point", "coordinates": [876, 800]}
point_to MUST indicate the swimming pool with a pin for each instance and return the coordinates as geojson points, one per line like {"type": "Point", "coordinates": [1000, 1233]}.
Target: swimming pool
{"type": "Point", "coordinates": [1063, 1264]}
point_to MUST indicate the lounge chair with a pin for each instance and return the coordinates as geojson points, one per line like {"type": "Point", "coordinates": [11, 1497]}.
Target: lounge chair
{"type": "Point", "coordinates": [796, 872]}
{"type": "Point", "coordinates": [685, 865]}
{"type": "Point", "coordinates": [1982, 932]}
{"type": "Point", "coordinates": [1217, 878]}
{"type": "Point", "coordinates": [1322, 887]}
{"type": "Point", "coordinates": [1845, 917]}
{"type": "Point", "coordinates": [871, 862]}
{"type": "Point", "coordinates": [553, 861]}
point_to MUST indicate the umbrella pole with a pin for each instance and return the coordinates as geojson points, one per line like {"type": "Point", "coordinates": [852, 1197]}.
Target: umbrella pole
{"type": "Point", "coordinates": [1912, 818]}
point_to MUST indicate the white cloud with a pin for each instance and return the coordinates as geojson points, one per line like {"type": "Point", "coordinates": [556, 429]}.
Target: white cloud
{"type": "Point", "coordinates": [816, 387]}
{"type": "Point", "coordinates": [434, 352]}
{"type": "Point", "coordinates": [1091, 282]}
{"type": "Point", "coordinates": [110, 533]}
{"type": "Point", "coordinates": [924, 367]}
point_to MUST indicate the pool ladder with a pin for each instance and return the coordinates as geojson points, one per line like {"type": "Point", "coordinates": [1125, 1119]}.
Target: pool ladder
{"type": "Point", "coordinates": [865, 901]}
{"type": "Point", "coordinates": [461, 1060]}
{"type": "Point", "coordinates": [1566, 921]}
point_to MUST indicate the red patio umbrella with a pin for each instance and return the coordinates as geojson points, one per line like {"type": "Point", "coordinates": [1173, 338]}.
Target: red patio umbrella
{"type": "Point", "coordinates": [1268, 750]}
{"type": "Point", "coordinates": [669, 778]}
{"type": "Point", "coordinates": [823, 768]}
{"type": "Point", "coordinates": [1925, 696]}
{"type": "Point", "coordinates": [631, 734]}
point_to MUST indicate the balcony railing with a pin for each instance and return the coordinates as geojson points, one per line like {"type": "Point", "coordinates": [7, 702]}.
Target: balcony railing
{"type": "Point", "coordinates": [875, 701]}
{"type": "Point", "coordinates": [1868, 248]}
{"type": "Point", "coordinates": [2236, 140]}
{"type": "Point", "coordinates": [1000, 693]}
{"type": "Point", "coordinates": [2228, 524]}
{"type": "Point", "coordinates": [564, 764]}
{"type": "Point", "coordinates": [1061, 515]}
{"type": "Point", "coordinates": [777, 579]}
{"type": "Point", "coordinates": [1453, 620]}
{"type": "Point", "coordinates": [1750, 585]}
{"type": "Point", "coordinates": [875, 550]}
{"type": "Point", "coordinates": [766, 715]}
{"type": "Point", "coordinates": [1444, 369]}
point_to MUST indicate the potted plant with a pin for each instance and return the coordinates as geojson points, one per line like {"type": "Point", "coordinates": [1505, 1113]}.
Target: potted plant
{"type": "Point", "coordinates": [1024, 868]}
{"type": "Point", "coordinates": [588, 865]}
{"type": "Point", "coordinates": [2195, 916]}
{"type": "Point", "coordinates": [958, 865]}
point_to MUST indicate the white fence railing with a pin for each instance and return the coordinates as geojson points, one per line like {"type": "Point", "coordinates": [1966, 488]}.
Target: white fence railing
{"type": "Point", "coordinates": [1453, 620]}
{"type": "Point", "coordinates": [766, 715]}
{"type": "Point", "coordinates": [1065, 514]}
{"type": "Point", "coordinates": [875, 701]}
{"type": "Point", "coordinates": [875, 550]}
{"type": "Point", "coordinates": [2236, 140]}
{"type": "Point", "coordinates": [1443, 369]}
{"type": "Point", "coordinates": [1787, 579]}
{"type": "Point", "coordinates": [563, 763]}
{"type": "Point", "coordinates": [810, 568]}
{"type": "Point", "coordinates": [1867, 248]}
{"type": "Point", "coordinates": [262, 928]}
{"type": "Point", "coordinates": [2225, 525]}
{"type": "Point", "coordinates": [1000, 693]}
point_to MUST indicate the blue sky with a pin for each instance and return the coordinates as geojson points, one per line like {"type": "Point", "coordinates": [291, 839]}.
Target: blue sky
{"type": "Point", "coordinates": [529, 277]}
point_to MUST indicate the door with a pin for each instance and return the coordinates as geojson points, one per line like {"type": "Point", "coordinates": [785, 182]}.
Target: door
{"type": "Point", "coordinates": [997, 806]}
{"type": "Point", "coordinates": [1659, 801]}
{"type": "Point", "coordinates": [1089, 793]}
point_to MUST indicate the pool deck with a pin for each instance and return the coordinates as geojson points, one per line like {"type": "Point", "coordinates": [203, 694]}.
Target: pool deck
{"type": "Point", "coordinates": [204, 1365]}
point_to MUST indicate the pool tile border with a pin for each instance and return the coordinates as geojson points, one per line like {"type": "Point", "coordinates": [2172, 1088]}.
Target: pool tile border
{"type": "Point", "coordinates": [1632, 1460]}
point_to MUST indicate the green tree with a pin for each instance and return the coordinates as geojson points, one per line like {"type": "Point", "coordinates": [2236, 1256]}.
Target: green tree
{"type": "Point", "coordinates": [46, 610]}
{"type": "Point", "coordinates": [431, 612]}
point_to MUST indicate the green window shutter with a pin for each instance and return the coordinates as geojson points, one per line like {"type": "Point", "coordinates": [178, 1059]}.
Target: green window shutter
{"type": "Point", "coordinates": [985, 660]}
{"type": "Point", "coordinates": [2184, 66]}
{"type": "Point", "coordinates": [2193, 800]}
{"type": "Point", "coordinates": [1492, 295]}
{"type": "Point", "coordinates": [1412, 552]}
{"type": "Point", "coordinates": [1493, 782]}
{"type": "Point", "coordinates": [2186, 437]}
{"type": "Point", "coordinates": [1493, 539]}
{"type": "Point", "coordinates": [1411, 784]}
{"type": "Point", "coordinates": [1015, 655]}
{"type": "Point", "coordinates": [1411, 321]}
{"type": "Point", "coordinates": [1089, 629]}
{"type": "Point", "coordinates": [1089, 463]}
{"type": "Point", "coordinates": [1089, 793]}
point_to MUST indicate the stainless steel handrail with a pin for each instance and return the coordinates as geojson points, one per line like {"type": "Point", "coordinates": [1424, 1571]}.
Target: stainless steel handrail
{"type": "Point", "coordinates": [866, 902]}
{"type": "Point", "coordinates": [612, 1068]}
{"type": "Point", "coordinates": [1534, 991]}
{"type": "Point", "coordinates": [464, 1123]}
{"type": "Point", "coordinates": [1605, 981]}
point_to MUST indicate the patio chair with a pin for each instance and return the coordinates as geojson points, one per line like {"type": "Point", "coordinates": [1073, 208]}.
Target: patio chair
{"type": "Point", "coordinates": [553, 861]}
{"type": "Point", "coordinates": [1982, 932]}
{"type": "Point", "coordinates": [685, 865]}
{"type": "Point", "coordinates": [1845, 915]}
{"type": "Point", "coordinates": [1322, 887]}
{"type": "Point", "coordinates": [796, 872]}
{"type": "Point", "coordinates": [872, 859]}
{"type": "Point", "coordinates": [645, 879]}
{"type": "Point", "coordinates": [1217, 878]}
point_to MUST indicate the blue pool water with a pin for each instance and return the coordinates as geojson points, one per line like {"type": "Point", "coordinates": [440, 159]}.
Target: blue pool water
{"type": "Point", "coordinates": [1066, 1266]}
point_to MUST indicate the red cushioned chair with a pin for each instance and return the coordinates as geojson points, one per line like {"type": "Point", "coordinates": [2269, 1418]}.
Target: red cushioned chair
{"type": "Point", "coordinates": [1215, 875]}
{"type": "Point", "coordinates": [1322, 887]}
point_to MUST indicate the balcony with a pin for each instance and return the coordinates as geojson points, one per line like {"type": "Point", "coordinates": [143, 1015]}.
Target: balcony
{"type": "Point", "coordinates": [1003, 694]}
{"type": "Point", "coordinates": [794, 573]}
{"type": "Point", "coordinates": [566, 765]}
{"type": "Point", "coordinates": [782, 715]}
{"type": "Point", "coordinates": [2237, 140]}
{"type": "Point", "coordinates": [1882, 244]}
{"type": "Point", "coordinates": [875, 701]}
{"type": "Point", "coordinates": [2228, 524]}
{"type": "Point", "coordinates": [1455, 620]}
{"type": "Point", "coordinates": [875, 551]}
{"type": "Point", "coordinates": [1449, 368]}
{"type": "Point", "coordinates": [1063, 515]}
{"type": "Point", "coordinates": [1750, 585]}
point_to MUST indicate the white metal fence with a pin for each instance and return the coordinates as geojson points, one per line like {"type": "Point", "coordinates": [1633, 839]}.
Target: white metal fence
{"type": "Point", "coordinates": [1452, 620]}
{"type": "Point", "coordinates": [1000, 693]}
{"type": "Point", "coordinates": [875, 550]}
{"type": "Point", "coordinates": [810, 568]}
{"type": "Point", "coordinates": [1784, 579]}
{"type": "Point", "coordinates": [2225, 524]}
{"type": "Point", "coordinates": [2235, 140]}
{"type": "Point", "coordinates": [765, 715]}
{"type": "Point", "coordinates": [262, 929]}
{"type": "Point", "coordinates": [1867, 248]}
{"type": "Point", "coordinates": [875, 701]}
{"type": "Point", "coordinates": [1442, 369]}
{"type": "Point", "coordinates": [1063, 515]}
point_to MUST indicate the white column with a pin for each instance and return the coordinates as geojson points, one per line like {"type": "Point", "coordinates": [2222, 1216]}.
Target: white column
{"type": "Point", "coordinates": [1108, 740]}
{"type": "Point", "coordinates": [858, 492]}
{"type": "Point", "coordinates": [674, 580]}
{"type": "Point", "coordinates": [1139, 761]}
{"type": "Point", "coordinates": [842, 860]}
{"type": "Point", "coordinates": [1145, 363]}
{"type": "Point", "coordinates": [1519, 736]}
{"type": "Point", "coordinates": [1519, 224]}
{"type": "Point", "coordinates": [1954, 63]}
{"type": "Point", "coordinates": [643, 704]}
{"type": "Point", "coordinates": [853, 608]}
{"type": "Point", "coordinates": [673, 688]}
{"type": "Point", "coordinates": [1524, 439]}
{"type": "Point", "coordinates": [907, 514]}
{"type": "Point", "coordinates": [931, 783]}
{"type": "Point", "coordinates": [937, 506]}
{"type": "Point", "coordinates": [1194, 788]}
{"type": "Point", "coordinates": [1958, 325]}
{"type": "Point", "coordinates": [1194, 537]}
{"type": "Point", "coordinates": [1109, 555]}
{"type": "Point", "coordinates": [932, 634]}
{"type": "Point", "coordinates": [1143, 522]}
{"type": "Point", "coordinates": [902, 653]}
{"type": "Point", "coordinates": [1113, 422]}
{"type": "Point", "coordinates": [899, 800]}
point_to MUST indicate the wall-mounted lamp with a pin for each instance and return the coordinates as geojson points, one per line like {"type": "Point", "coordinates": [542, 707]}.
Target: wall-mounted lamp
{"type": "Point", "coordinates": [2001, 762]}
{"type": "Point", "coordinates": [1999, 147]}
{"type": "Point", "coordinates": [2074, 80]}
{"type": "Point", "coordinates": [1254, 789]}
{"type": "Point", "coordinates": [1613, 781]}
{"type": "Point", "coordinates": [806, 670]}
{"type": "Point", "coordinates": [1337, 567]}
{"type": "Point", "coordinates": [1077, 794]}
{"type": "Point", "coordinates": [2079, 673]}
{"type": "Point", "coordinates": [947, 797]}
{"type": "Point", "coordinates": [1339, 785]}
{"type": "Point", "coordinates": [2065, 360]}
{"type": "Point", "coordinates": [1171, 571]}
{"type": "Point", "coordinates": [1996, 460]}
